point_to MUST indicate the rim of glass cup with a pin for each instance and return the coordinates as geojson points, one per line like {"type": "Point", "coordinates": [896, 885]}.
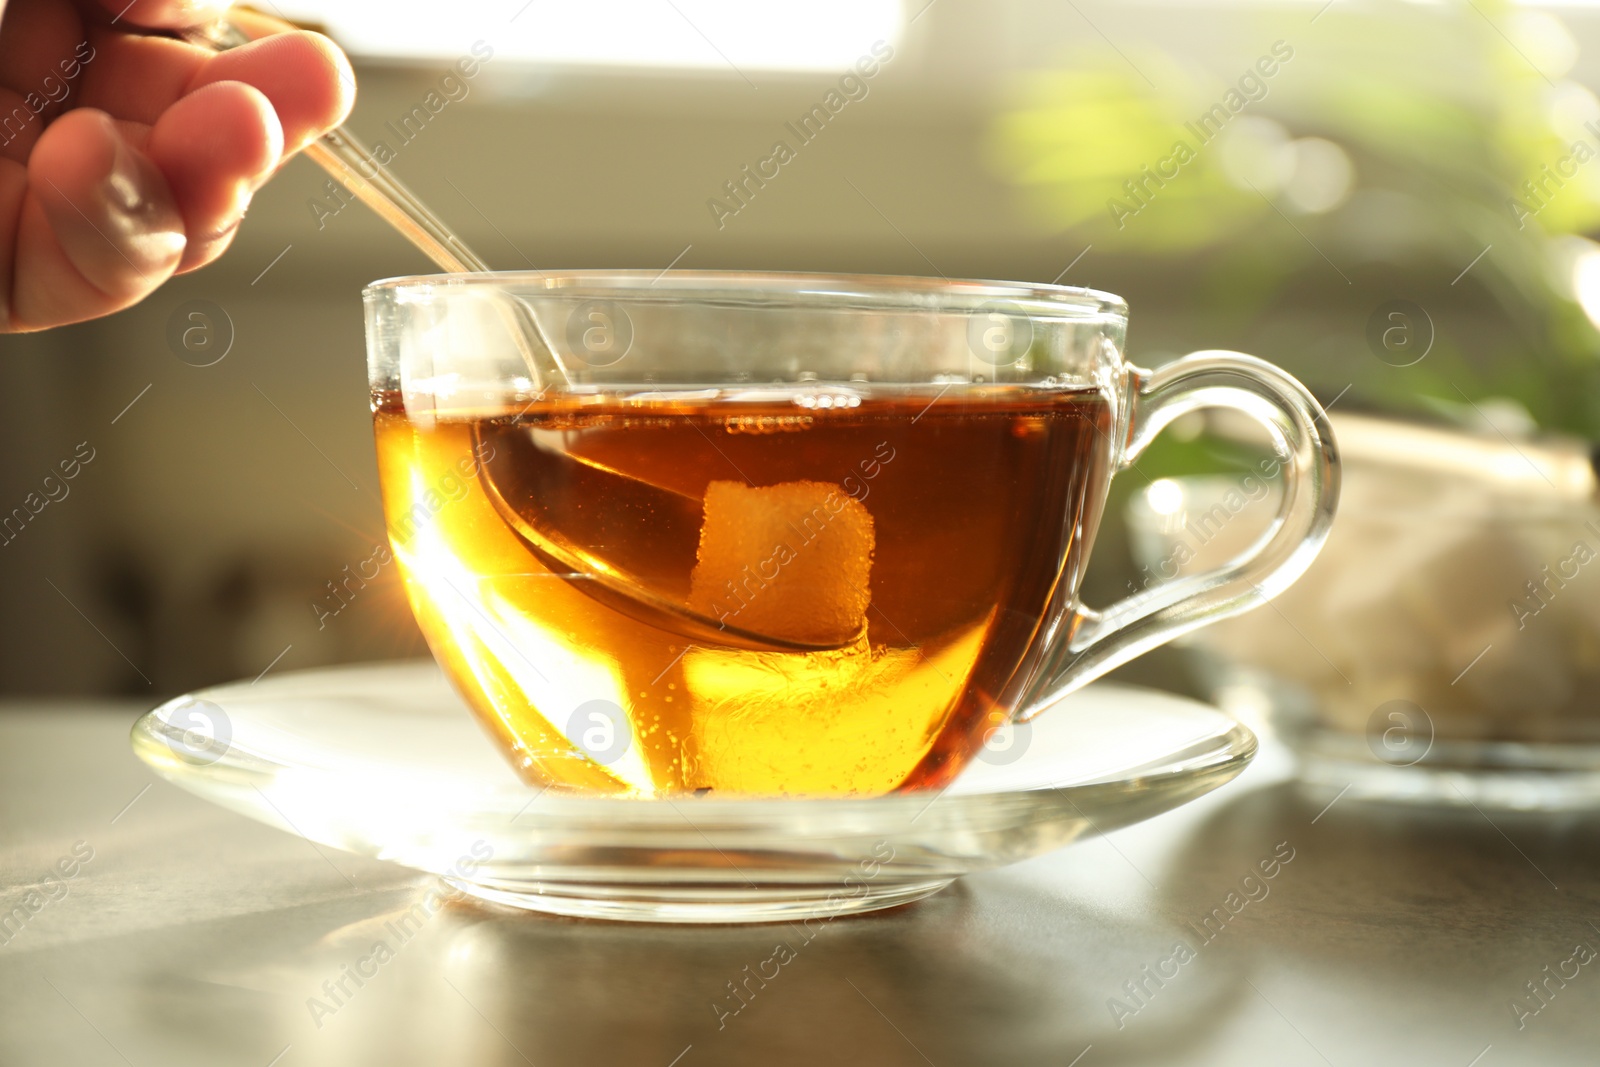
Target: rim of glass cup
{"type": "Point", "coordinates": [904, 291]}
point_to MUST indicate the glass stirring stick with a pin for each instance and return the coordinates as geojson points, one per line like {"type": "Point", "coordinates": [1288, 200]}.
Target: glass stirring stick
{"type": "Point", "coordinates": [353, 166]}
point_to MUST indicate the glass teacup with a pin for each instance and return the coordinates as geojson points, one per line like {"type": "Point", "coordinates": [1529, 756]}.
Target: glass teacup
{"type": "Point", "coordinates": [785, 534]}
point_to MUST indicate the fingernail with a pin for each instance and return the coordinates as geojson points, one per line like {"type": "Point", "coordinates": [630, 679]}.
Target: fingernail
{"type": "Point", "coordinates": [140, 209]}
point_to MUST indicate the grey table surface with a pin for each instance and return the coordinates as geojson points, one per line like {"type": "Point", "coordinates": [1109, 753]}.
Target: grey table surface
{"type": "Point", "coordinates": [196, 936]}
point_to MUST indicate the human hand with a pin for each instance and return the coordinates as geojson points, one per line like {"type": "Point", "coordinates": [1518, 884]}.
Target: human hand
{"type": "Point", "coordinates": [127, 157]}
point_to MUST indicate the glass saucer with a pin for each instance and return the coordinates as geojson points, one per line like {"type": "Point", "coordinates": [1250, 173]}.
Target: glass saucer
{"type": "Point", "coordinates": [385, 760]}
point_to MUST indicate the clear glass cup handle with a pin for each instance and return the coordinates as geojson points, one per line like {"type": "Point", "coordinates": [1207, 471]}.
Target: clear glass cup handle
{"type": "Point", "coordinates": [1097, 641]}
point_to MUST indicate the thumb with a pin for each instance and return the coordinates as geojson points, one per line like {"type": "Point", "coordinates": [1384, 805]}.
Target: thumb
{"type": "Point", "coordinates": [107, 230]}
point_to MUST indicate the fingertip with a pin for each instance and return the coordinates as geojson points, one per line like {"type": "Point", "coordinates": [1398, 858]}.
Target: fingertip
{"type": "Point", "coordinates": [326, 84]}
{"type": "Point", "coordinates": [305, 75]}
{"type": "Point", "coordinates": [225, 127]}
{"type": "Point", "coordinates": [343, 97]}
{"type": "Point", "coordinates": [216, 146]}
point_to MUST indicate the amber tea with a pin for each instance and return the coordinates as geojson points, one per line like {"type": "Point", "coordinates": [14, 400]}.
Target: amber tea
{"type": "Point", "coordinates": [808, 535]}
{"type": "Point", "coordinates": [807, 594]}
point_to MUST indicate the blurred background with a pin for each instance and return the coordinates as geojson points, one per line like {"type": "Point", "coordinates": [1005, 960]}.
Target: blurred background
{"type": "Point", "coordinates": [1389, 199]}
